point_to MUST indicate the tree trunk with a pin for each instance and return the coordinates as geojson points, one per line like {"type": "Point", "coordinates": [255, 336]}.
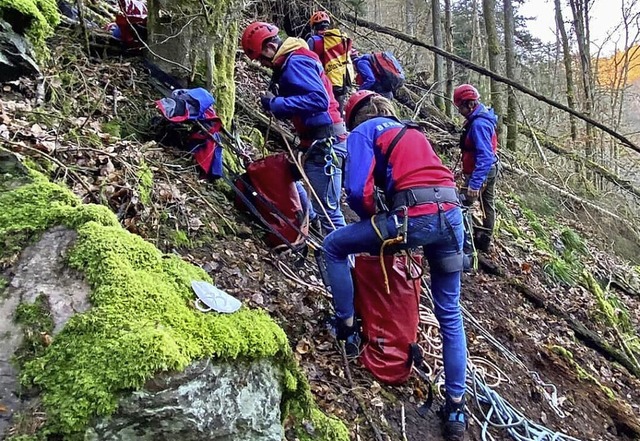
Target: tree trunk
{"type": "Point", "coordinates": [448, 46]}
{"type": "Point", "coordinates": [580, 23]}
{"type": "Point", "coordinates": [510, 55]}
{"type": "Point", "coordinates": [568, 69]}
{"type": "Point", "coordinates": [493, 51]}
{"type": "Point", "coordinates": [196, 42]}
{"type": "Point", "coordinates": [437, 59]}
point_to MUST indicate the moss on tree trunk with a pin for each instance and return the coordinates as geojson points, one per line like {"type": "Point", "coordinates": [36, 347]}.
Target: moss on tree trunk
{"type": "Point", "coordinates": [196, 41]}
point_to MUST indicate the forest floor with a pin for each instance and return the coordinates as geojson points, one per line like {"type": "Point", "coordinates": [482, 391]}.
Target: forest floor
{"type": "Point", "coordinates": [92, 133]}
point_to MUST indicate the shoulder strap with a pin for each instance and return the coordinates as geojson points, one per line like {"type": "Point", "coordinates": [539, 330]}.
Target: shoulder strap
{"type": "Point", "coordinates": [394, 142]}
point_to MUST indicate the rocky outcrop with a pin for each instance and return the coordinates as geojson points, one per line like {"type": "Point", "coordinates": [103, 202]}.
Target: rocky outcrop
{"type": "Point", "coordinates": [208, 400]}
{"type": "Point", "coordinates": [112, 346]}
{"type": "Point", "coordinates": [16, 58]}
{"type": "Point", "coordinates": [40, 272]}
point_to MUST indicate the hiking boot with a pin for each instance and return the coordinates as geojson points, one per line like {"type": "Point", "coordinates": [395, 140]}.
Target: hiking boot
{"type": "Point", "coordinates": [350, 335]}
{"type": "Point", "coordinates": [454, 420]}
{"type": "Point", "coordinates": [352, 345]}
{"type": "Point", "coordinates": [483, 242]}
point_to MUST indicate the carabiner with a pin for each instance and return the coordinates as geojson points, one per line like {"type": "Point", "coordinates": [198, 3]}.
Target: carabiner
{"type": "Point", "coordinates": [329, 167]}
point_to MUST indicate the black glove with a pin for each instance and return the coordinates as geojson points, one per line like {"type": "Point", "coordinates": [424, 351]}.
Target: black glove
{"type": "Point", "coordinates": [265, 101]}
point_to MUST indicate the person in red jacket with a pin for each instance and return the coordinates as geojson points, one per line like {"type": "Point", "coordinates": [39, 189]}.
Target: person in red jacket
{"type": "Point", "coordinates": [397, 158]}
{"type": "Point", "coordinates": [479, 144]}
{"type": "Point", "coordinates": [304, 96]}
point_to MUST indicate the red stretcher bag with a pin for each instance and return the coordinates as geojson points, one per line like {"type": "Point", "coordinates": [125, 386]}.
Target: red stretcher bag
{"type": "Point", "coordinates": [389, 321]}
{"type": "Point", "coordinates": [272, 180]}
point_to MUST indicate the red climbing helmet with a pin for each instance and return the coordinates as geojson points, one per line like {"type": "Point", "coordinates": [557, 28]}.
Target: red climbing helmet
{"type": "Point", "coordinates": [319, 17]}
{"type": "Point", "coordinates": [254, 36]}
{"type": "Point", "coordinates": [355, 103]}
{"type": "Point", "coordinates": [465, 92]}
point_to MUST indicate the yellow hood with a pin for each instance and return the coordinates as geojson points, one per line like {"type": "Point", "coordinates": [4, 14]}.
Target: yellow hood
{"type": "Point", "coordinates": [289, 45]}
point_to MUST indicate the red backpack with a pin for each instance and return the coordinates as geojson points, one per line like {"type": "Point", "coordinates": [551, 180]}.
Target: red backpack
{"type": "Point", "coordinates": [389, 320]}
{"type": "Point", "coordinates": [387, 70]}
{"type": "Point", "coordinates": [270, 187]}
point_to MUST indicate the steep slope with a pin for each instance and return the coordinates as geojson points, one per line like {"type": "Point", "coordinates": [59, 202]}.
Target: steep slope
{"type": "Point", "coordinates": [530, 295]}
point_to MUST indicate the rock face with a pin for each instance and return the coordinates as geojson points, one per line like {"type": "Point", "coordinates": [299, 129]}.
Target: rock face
{"type": "Point", "coordinates": [40, 270]}
{"type": "Point", "coordinates": [16, 58]}
{"type": "Point", "coordinates": [213, 401]}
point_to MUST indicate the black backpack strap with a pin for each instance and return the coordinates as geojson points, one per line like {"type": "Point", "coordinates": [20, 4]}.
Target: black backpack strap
{"type": "Point", "coordinates": [398, 137]}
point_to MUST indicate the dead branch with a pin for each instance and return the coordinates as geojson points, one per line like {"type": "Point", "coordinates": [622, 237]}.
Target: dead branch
{"type": "Point", "coordinates": [556, 148]}
{"type": "Point", "coordinates": [263, 120]}
{"type": "Point", "coordinates": [574, 198]}
{"type": "Point", "coordinates": [469, 65]}
{"type": "Point", "coordinates": [590, 338]}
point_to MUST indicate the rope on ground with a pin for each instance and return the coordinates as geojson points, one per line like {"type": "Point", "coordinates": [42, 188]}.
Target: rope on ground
{"type": "Point", "coordinates": [483, 377]}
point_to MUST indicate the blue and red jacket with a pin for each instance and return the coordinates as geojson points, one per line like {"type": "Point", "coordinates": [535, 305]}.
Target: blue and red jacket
{"type": "Point", "coordinates": [365, 78]}
{"type": "Point", "coordinates": [305, 94]}
{"type": "Point", "coordinates": [479, 143]}
{"type": "Point", "coordinates": [413, 163]}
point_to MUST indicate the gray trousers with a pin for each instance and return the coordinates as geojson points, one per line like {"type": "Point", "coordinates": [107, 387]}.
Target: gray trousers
{"type": "Point", "coordinates": [487, 199]}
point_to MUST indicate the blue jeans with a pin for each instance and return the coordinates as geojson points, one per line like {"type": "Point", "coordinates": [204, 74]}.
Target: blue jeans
{"type": "Point", "coordinates": [327, 183]}
{"type": "Point", "coordinates": [435, 236]}
{"type": "Point", "coordinates": [304, 200]}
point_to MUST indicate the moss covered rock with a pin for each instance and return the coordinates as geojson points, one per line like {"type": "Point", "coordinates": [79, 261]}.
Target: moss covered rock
{"type": "Point", "coordinates": [34, 18]}
{"type": "Point", "coordinates": [141, 323]}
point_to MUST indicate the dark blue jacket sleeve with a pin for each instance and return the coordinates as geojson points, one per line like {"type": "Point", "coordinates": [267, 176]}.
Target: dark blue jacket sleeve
{"type": "Point", "coordinates": [311, 43]}
{"type": "Point", "coordinates": [366, 73]}
{"type": "Point", "coordinates": [358, 176]}
{"type": "Point", "coordinates": [481, 133]}
{"type": "Point", "coordinates": [305, 92]}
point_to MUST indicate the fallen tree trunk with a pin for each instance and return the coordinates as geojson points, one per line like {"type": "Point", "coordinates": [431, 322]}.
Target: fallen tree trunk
{"type": "Point", "coordinates": [469, 65]}
{"type": "Point", "coordinates": [633, 229]}
{"type": "Point", "coordinates": [590, 338]}
{"type": "Point", "coordinates": [597, 168]}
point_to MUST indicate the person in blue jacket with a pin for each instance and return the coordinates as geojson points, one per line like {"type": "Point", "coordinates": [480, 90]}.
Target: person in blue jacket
{"type": "Point", "coordinates": [365, 78]}
{"type": "Point", "coordinates": [383, 152]}
{"type": "Point", "coordinates": [479, 145]}
{"type": "Point", "coordinates": [304, 96]}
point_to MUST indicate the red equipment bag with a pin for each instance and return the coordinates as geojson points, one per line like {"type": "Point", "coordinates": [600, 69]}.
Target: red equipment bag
{"type": "Point", "coordinates": [272, 180]}
{"type": "Point", "coordinates": [389, 321]}
{"type": "Point", "coordinates": [133, 14]}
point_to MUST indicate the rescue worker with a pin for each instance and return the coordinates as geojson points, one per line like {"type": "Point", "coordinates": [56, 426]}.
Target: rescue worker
{"type": "Point", "coordinates": [479, 143]}
{"type": "Point", "coordinates": [305, 97]}
{"type": "Point", "coordinates": [333, 48]}
{"type": "Point", "coordinates": [365, 75]}
{"type": "Point", "coordinates": [383, 152]}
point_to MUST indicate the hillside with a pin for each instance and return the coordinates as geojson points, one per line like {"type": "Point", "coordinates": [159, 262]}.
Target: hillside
{"type": "Point", "coordinates": [552, 315]}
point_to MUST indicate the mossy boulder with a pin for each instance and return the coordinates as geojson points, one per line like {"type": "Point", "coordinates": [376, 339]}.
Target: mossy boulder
{"type": "Point", "coordinates": [35, 19]}
{"type": "Point", "coordinates": [141, 327]}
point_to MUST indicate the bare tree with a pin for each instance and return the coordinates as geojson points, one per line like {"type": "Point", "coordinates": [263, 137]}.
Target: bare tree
{"type": "Point", "coordinates": [579, 8]}
{"type": "Point", "coordinates": [568, 69]}
{"type": "Point", "coordinates": [493, 51]}
{"type": "Point", "coordinates": [448, 46]}
{"type": "Point", "coordinates": [437, 60]}
{"type": "Point", "coordinates": [510, 55]}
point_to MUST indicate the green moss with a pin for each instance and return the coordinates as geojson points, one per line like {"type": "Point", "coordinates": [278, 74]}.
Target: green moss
{"type": "Point", "coordinates": [142, 320]}
{"type": "Point", "coordinates": [145, 183]}
{"type": "Point", "coordinates": [581, 373]}
{"type": "Point", "coordinates": [112, 127]}
{"type": "Point", "coordinates": [315, 425]}
{"type": "Point", "coordinates": [32, 208]}
{"type": "Point", "coordinates": [38, 17]}
{"type": "Point", "coordinates": [572, 241]}
{"type": "Point", "coordinates": [180, 238]}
